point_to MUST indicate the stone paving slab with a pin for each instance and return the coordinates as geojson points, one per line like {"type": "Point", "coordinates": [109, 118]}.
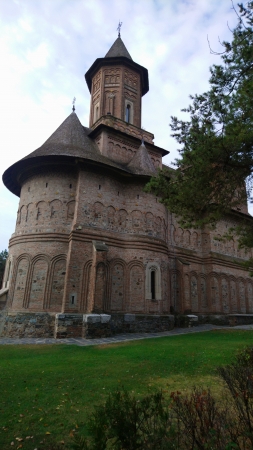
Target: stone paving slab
{"type": "Point", "coordinates": [118, 338]}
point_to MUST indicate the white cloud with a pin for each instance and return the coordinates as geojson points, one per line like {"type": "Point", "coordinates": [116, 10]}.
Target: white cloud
{"type": "Point", "coordinates": [47, 46]}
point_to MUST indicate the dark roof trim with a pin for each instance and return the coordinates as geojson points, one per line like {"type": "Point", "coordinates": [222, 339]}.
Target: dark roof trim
{"type": "Point", "coordinates": [15, 175]}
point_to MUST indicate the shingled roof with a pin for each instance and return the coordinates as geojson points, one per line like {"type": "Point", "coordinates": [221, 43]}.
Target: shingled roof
{"type": "Point", "coordinates": [69, 143]}
{"type": "Point", "coordinates": [118, 49]}
{"type": "Point", "coordinates": [70, 139]}
{"type": "Point", "coordinates": [141, 163]}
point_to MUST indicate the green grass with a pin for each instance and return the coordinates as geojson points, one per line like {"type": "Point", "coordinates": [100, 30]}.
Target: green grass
{"type": "Point", "coordinates": [53, 388]}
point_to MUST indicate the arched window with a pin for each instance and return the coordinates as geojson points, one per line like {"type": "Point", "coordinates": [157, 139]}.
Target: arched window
{"type": "Point", "coordinates": [153, 282]}
{"type": "Point", "coordinates": [128, 111]}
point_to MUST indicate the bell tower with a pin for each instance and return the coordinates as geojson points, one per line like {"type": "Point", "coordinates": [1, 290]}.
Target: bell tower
{"type": "Point", "coordinates": [116, 84]}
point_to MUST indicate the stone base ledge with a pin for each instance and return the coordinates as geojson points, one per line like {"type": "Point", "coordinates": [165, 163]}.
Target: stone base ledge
{"type": "Point", "coordinates": [96, 318]}
{"type": "Point", "coordinates": [89, 326]}
{"type": "Point", "coordinates": [216, 319]}
{"type": "Point", "coordinates": [30, 325]}
{"type": "Point", "coordinates": [240, 319]}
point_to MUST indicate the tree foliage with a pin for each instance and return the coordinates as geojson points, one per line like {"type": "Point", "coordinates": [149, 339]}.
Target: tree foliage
{"type": "Point", "coordinates": [3, 258]}
{"type": "Point", "coordinates": [216, 154]}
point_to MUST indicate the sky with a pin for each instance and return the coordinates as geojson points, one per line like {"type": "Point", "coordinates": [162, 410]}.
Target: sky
{"type": "Point", "coordinates": [46, 47]}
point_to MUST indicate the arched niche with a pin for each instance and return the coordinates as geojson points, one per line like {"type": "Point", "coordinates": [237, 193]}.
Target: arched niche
{"type": "Point", "coordinates": [117, 286]}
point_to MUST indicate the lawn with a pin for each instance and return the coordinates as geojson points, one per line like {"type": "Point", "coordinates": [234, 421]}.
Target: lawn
{"type": "Point", "coordinates": [49, 391]}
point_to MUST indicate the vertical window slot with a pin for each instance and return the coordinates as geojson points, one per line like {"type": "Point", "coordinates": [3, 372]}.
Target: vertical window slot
{"type": "Point", "coordinates": [152, 281]}
{"type": "Point", "coordinates": [128, 111]}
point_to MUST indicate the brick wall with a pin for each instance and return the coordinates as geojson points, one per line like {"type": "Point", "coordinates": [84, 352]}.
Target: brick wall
{"type": "Point", "coordinates": [112, 88]}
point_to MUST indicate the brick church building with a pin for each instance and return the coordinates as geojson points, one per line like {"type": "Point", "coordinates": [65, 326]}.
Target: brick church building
{"type": "Point", "coordinates": [91, 248]}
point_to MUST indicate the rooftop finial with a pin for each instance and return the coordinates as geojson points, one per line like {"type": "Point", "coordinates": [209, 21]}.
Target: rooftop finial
{"type": "Point", "coordinates": [119, 27]}
{"type": "Point", "coordinates": [73, 103]}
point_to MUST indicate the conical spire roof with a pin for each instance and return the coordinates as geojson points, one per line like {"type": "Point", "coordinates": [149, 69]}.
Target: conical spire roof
{"type": "Point", "coordinates": [70, 139]}
{"type": "Point", "coordinates": [118, 49]}
{"type": "Point", "coordinates": [141, 162]}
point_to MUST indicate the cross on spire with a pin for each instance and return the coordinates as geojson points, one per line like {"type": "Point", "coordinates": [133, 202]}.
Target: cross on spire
{"type": "Point", "coordinates": [119, 27]}
{"type": "Point", "coordinates": [73, 103]}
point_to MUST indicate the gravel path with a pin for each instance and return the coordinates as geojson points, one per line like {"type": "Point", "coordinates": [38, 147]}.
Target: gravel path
{"type": "Point", "coordinates": [118, 338]}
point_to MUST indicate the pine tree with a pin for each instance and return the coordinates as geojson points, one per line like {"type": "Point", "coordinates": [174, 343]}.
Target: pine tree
{"type": "Point", "coordinates": [214, 170]}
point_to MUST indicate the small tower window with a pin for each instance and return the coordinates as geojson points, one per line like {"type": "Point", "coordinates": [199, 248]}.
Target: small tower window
{"type": "Point", "coordinates": [46, 184]}
{"type": "Point", "coordinates": [70, 186]}
{"type": "Point", "coordinates": [128, 111]}
{"type": "Point", "coordinates": [99, 187]}
{"type": "Point", "coordinates": [96, 109]}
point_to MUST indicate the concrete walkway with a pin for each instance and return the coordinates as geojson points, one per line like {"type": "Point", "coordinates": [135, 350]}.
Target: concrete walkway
{"type": "Point", "coordinates": [120, 337]}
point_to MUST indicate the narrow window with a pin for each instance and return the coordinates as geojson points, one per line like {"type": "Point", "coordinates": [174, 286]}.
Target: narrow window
{"type": "Point", "coordinates": [118, 192]}
{"type": "Point", "coordinates": [138, 196]}
{"type": "Point", "coordinates": [96, 114]}
{"type": "Point", "coordinates": [152, 281]}
{"type": "Point", "coordinates": [128, 109]}
{"type": "Point", "coordinates": [46, 184]}
{"type": "Point", "coordinates": [72, 299]}
{"type": "Point", "coordinates": [70, 186]}
{"type": "Point", "coordinates": [99, 187]}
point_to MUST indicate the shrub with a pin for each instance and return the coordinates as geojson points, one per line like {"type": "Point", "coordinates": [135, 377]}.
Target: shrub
{"type": "Point", "coordinates": [181, 422]}
{"type": "Point", "coordinates": [201, 423]}
{"type": "Point", "coordinates": [125, 422]}
{"type": "Point", "coordinates": [238, 378]}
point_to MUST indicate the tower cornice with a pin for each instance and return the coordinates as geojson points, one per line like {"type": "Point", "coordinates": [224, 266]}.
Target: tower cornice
{"type": "Point", "coordinates": [113, 61]}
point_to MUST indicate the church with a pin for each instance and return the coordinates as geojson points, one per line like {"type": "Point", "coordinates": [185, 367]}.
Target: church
{"type": "Point", "coordinates": [92, 253]}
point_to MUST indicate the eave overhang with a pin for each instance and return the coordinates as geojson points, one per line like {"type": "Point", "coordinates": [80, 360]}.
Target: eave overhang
{"type": "Point", "coordinates": [101, 62]}
{"type": "Point", "coordinates": [154, 148]}
{"type": "Point", "coordinates": [15, 175]}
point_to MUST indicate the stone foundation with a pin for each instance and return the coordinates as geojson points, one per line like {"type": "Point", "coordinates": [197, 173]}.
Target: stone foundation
{"type": "Point", "coordinates": [89, 326]}
{"type": "Point", "coordinates": [27, 325]}
{"type": "Point", "coordinates": [240, 319]}
{"type": "Point", "coordinates": [189, 320]}
{"type": "Point", "coordinates": [92, 326]}
{"type": "Point", "coordinates": [226, 319]}
{"type": "Point", "coordinates": [141, 323]}
{"type": "Point", "coordinates": [68, 326]}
